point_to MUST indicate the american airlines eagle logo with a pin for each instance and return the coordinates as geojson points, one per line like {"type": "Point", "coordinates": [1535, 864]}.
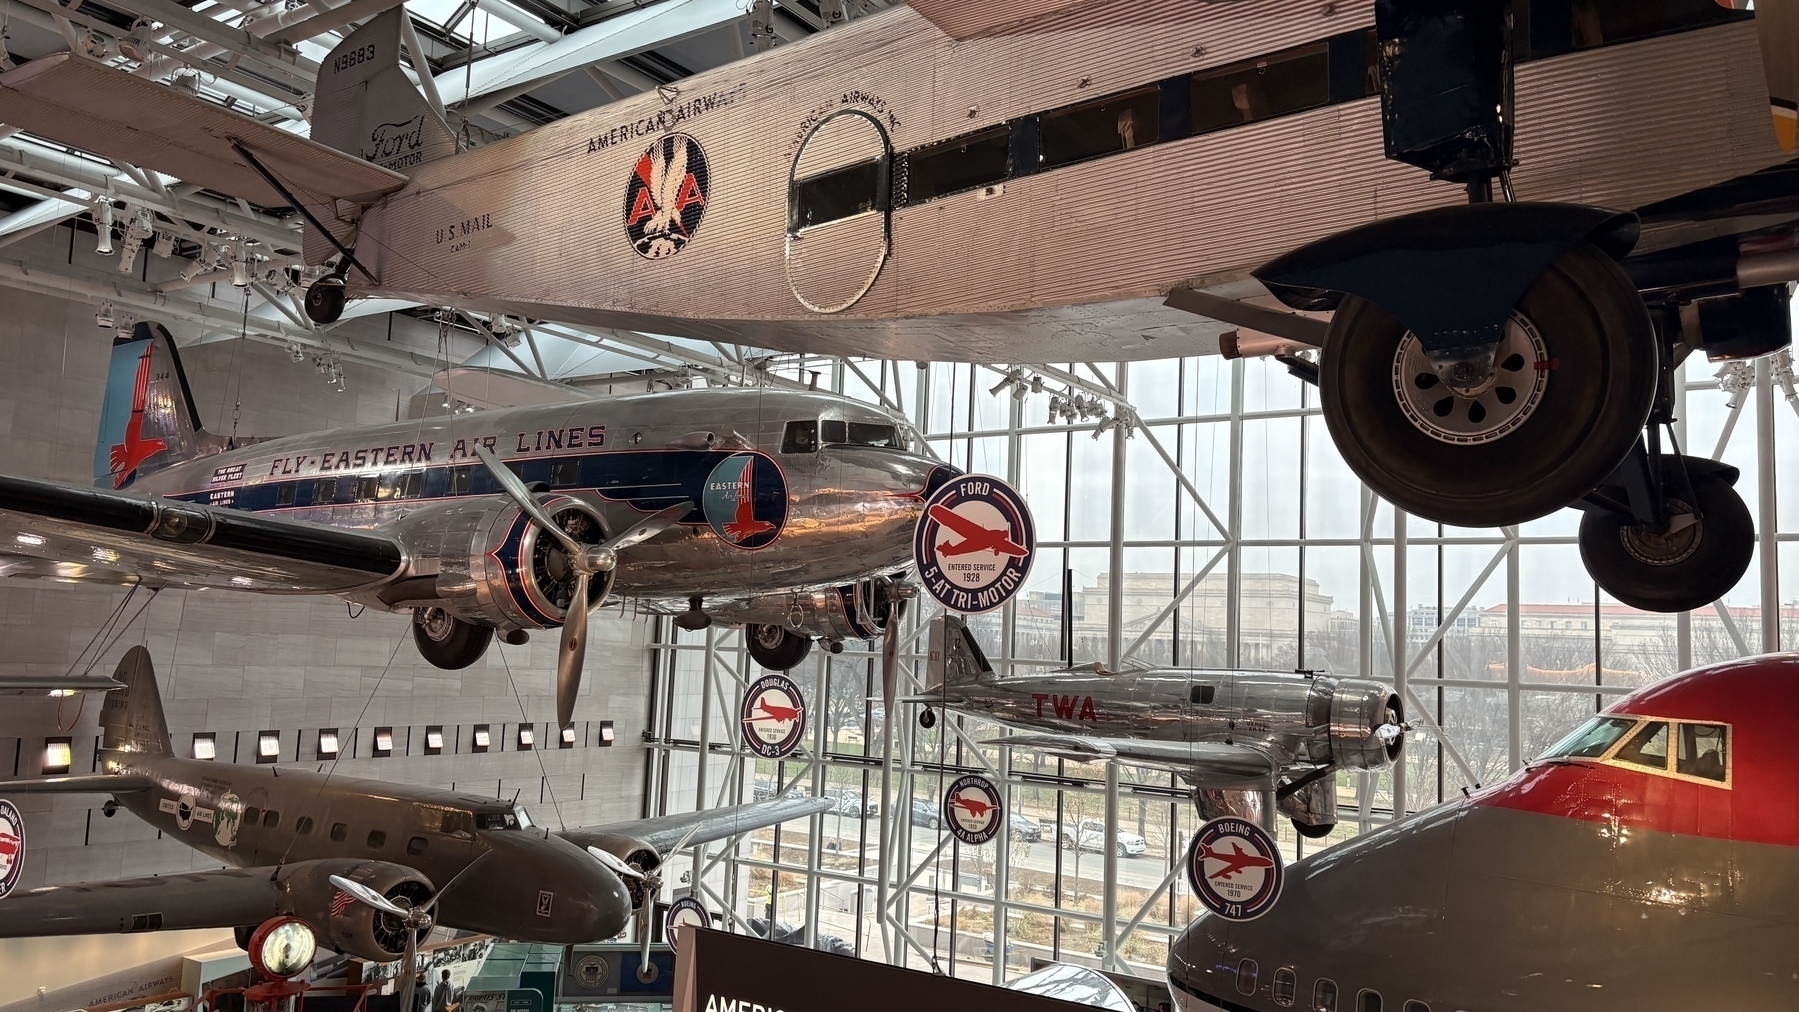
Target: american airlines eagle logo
{"type": "Point", "coordinates": [666, 196]}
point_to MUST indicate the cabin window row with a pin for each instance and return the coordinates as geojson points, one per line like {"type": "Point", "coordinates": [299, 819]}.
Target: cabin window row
{"type": "Point", "coordinates": [1283, 990]}
{"type": "Point", "coordinates": [329, 743]}
{"type": "Point", "coordinates": [1342, 68]}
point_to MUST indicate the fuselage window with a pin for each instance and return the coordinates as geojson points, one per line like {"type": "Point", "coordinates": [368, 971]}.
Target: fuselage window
{"type": "Point", "coordinates": [368, 487]}
{"type": "Point", "coordinates": [836, 194]}
{"type": "Point", "coordinates": [565, 473]}
{"type": "Point", "coordinates": [833, 430]}
{"type": "Point", "coordinates": [1286, 985]}
{"type": "Point", "coordinates": [252, 815]}
{"type": "Point", "coordinates": [1261, 89]}
{"type": "Point", "coordinates": [1591, 739]}
{"type": "Point", "coordinates": [324, 491]}
{"type": "Point", "coordinates": [339, 832]}
{"type": "Point", "coordinates": [1246, 977]}
{"type": "Point", "coordinates": [1367, 1001]}
{"type": "Point", "coordinates": [416, 845]}
{"type": "Point", "coordinates": [962, 163]}
{"type": "Point", "coordinates": [1414, 1005]}
{"type": "Point", "coordinates": [1601, 22]}
{"type": "Point", "coordinates": [800, 437]}
{"type": "Point", "coordinates": [284, 493]}
{"type": "Point", "coordinates": [1648, 747]}
{"type": "Point", "coordinates": [874, 434]}
{"type": "Point", "coordinates": [1703, 748]}
{"type": "Point", "coordinates": [304, 826]}
{"type": "Point", "coordinates": [1324, 995]}
{"type": "Point", "coordinates": [271, 819]}
{"type": "Point", "coordinates": [414, 485]}
{"type": "Point", "coordinates": [1112, 124]}
{"type": "Point", "coordinates": [377, 839]}
{"type": "Point", "coordinates": [461, 480]}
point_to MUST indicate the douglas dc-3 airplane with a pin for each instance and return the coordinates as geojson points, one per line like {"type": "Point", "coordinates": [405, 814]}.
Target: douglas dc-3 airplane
{"type": "Point", "coordinates": [1234, 737]}
{"type": "Point", "coordinates": [370, 866]}
{"type": "Point", "coordinates": [1648, 861]}
{"type": "Point", "coordinates": [1100, 180]}
{"type": "Point", "coordinates": [788, 511]}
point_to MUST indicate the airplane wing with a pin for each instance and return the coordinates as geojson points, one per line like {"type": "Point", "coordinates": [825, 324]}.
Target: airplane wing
{"type": "Point", "coordinates": [665, 831]}
{"type": "Point", "coordinates": [1205, 761]}
{"type": "Point", "coordinates": [61, 532]}
{"type": "Point", "coordinates": [83, 783]}
{"type": "Point", "coordinates": [89, 105]}
{"type": "Point", "coordinates": [224, 898]}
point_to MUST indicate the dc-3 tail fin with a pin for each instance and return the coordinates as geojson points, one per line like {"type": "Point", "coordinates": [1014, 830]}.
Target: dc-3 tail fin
{"type": "Point", "coordinates": [955, 658]}
{"type": "Point", "coordinates": [148, 420]}
{"type": "Point", "coordinates": [131, 719]}
{"type": "Point", "coordinates": [365, 104]}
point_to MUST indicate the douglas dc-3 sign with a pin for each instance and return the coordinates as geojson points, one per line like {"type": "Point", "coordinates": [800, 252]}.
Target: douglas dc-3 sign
{"type": "Point", "coordinates": [1485, 361]}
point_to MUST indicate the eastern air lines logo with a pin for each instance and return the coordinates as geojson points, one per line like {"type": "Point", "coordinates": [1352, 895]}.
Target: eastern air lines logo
{"type": "Point", "coordinates": [774, 716]}
{"type": "Point", "coordinates": [1235, 869]}
{"type": "Point", "coordinates": [12, 846]}
{"type": "Point", "coordinates": [666, 196]}
{"type": "Point", "coordinates": [128, 455]}
{"type": "Point", "coordinates": [972, 809]}
{"type": "Point", "coordinates": [745, 501]}
{"type": "Point", "coordinates": [974, 543]}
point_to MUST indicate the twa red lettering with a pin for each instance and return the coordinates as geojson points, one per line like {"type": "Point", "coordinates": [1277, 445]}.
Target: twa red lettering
{"type": "Point", "coordinates": [1064, 706]}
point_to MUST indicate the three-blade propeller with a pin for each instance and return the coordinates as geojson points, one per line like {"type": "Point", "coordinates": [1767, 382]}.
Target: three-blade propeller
{"type": "Point", "coordinates": [587, 561]}
{"type": "Point", "coordinates": [414, 921]}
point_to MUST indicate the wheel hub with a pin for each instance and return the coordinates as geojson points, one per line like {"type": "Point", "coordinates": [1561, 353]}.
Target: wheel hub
{"type": "Point", "coordinates": [769, 636]}
{"type": "Point", "coordinates": [1673, 546]}
{"type": "Point", "coordinates": [437, 624]}
{"type": "Point", "coordinates": [1490, 409]}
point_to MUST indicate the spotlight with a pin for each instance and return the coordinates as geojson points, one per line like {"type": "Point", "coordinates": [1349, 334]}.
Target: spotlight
{"type": "Point", "coordinates": [165, 244]}
{"type": "Point", "coordinates": [186, 82]}
{"type": "Point", "coordinates": [240, 268]}
{"type": "Point", "coordinates": [104, 319]}
{"type": "Point", "coordinates": [103, 225]}
{"type": "Point", "coordinates": [297, 353]}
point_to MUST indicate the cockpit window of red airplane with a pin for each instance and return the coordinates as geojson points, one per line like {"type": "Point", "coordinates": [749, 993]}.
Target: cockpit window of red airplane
{"type": "Point", "coordinates": [1647, 748]}
{"type": "Point", "coordinates": [1592, 739]}
{"type": "Point", "coordinates": [1701, 750]}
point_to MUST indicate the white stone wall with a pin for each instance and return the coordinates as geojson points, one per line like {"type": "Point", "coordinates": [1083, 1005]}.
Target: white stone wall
{"type": "Point", "coordinates": [239, 664]}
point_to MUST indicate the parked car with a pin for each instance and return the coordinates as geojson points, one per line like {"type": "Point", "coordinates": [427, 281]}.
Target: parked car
{"type": "Point", "coordinates": [764, 790]}
{"type": "Point", "coordinates": [924, 813]}
{"type": "Point", "coordinates": [1023, 828]}
{"type": "Point", "coordinates": [1090, 836]}
{"type": "Point", "coordinates": [850, 803]}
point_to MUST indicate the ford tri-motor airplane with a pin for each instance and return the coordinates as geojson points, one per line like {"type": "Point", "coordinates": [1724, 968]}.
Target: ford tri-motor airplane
{"type": "Point", "coordinates": [1650, 860]}
{"type": "Point", "coordinates": [1153, 180]}
{"type": "Point", "coordinates": [788, 511]}
{"type": "Point", "coordinates": [369, 865]}
{"type": "Point", "coordinates": [1234, 737]}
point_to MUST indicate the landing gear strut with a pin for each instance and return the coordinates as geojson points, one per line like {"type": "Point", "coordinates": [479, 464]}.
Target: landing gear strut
{"type": "Point", "coordinates": [447, 641]}
{"type": "Point", "coordinates": [1670, 535]}
{"type": "Point", "coordinates": [776, 648]}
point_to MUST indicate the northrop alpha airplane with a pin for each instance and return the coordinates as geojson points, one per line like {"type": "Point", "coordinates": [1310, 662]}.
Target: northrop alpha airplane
{"type": "Point", "coordinates": [1234, 737]}
{"type": "Point", "coordinates": [369, 865]}
{"type": "Point", "coordinates": [1062, 181]}
{"type": "Point", "coordinates": [1648, 861]}
{"type": "Point", "coordinates": [787, 511]}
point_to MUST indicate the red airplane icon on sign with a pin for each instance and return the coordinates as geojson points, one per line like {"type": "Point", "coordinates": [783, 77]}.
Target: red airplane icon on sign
{"type": "Point", "coordinates": [1236, 861]}
{"type": "Point", "coordinates": [775, 712]}
{"type": "Point", "coordinates": [9, 847]}
{"type": "Point", "coordinates": [125, 457]}
{"type": "Point", "coordinates": [972, 806]}
{"type": "Point", "coordinates": [745, 525]}
{"type": "Point", "coordinates": [975, 538]}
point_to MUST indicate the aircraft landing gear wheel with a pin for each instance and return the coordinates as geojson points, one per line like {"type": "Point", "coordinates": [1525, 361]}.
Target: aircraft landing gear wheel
{"type": "Point", "coordinates": [325, 300]}
{"type": "Point", "coordinates": [775, 648]}
{"type": "Point", "coordinates": [1312, 832]}
{"type": "Point", "coordinates": [1703, 554]}
{"type": "Point", "coordinates": [927, 718]}
{"type": "Point", "coordinates": [447, 641]}
{"type": "Point", "coordinates": [1573, 380]}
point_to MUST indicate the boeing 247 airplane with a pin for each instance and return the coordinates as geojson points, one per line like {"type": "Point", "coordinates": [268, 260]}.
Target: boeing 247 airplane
{"type": "Point", "coordinates": [788, 511]}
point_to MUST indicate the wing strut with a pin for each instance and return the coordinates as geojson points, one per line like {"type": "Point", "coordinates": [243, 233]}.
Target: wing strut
{"type": "Point", "coordinates": [269, 178]}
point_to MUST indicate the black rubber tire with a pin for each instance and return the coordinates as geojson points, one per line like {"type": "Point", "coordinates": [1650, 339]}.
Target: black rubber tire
{"type": "Point", "coordinates": [1604, 357]}
{"type": "Point", "coordinates": [782, 656]}
{"type": "Point", "coordinates": [463, 646]}
{"type": "Point", "coordinates": [1311, 832]}
{"type": "Point", "coordinates": [1726, 544]}
{"type": "Point", "coordinates": [324, 302]}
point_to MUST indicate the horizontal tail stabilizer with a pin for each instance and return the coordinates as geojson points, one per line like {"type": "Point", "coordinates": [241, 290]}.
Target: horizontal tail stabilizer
{"type": "Point", "coordinates": [82, 783]}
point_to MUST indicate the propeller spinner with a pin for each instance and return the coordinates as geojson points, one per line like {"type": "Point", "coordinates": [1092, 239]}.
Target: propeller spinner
{"type": "Point", "coordinates": [587, 561]}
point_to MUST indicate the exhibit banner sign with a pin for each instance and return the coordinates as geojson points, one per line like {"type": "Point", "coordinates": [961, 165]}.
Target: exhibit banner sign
{"type": "Point", "coordinates": [685, 910]}
{"type": "Point", "coordinates": [973, 809]}
{"type": "Point", "coordinates": [774, 716]}
{"type": "Point", "coordinates": [722, 972]}
{"type": "Point", "coordinates": [12, 846]}
{"type": "Point", "coordinates": [974, 543]}
{"type": "Point", "coordinates": [1235, 868]}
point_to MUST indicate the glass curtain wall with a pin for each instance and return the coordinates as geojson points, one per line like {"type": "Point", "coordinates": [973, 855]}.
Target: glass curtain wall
{"type": "Point", "coordinates": [1190, 512]}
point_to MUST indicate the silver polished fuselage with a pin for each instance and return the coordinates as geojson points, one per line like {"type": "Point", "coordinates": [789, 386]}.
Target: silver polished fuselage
{"type": "Point", "coordinates": [849, 509]}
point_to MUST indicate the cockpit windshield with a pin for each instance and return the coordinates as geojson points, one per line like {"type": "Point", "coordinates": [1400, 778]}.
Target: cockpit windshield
{"type": "Point", "coordinates": [837, 431]}
{"type": "Point", "coordinates": [1591, 740]}
{"type": "Point", "coordinates": [515, 819]}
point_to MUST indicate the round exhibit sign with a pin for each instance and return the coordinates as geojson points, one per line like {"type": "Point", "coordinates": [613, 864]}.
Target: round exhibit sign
{"type": "Point", "coordinates": [973, 810]}
{"type": "Point", "coordinates": [974, 543]}
{"type": "Point", "coordinates": [774, 716]}
{"type": "Point", "coordinates": [12, 846]}
{"type": "Point", "coordinates": [685, 910]}
{"type": "Point", "coordinates": [1235, 868]}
